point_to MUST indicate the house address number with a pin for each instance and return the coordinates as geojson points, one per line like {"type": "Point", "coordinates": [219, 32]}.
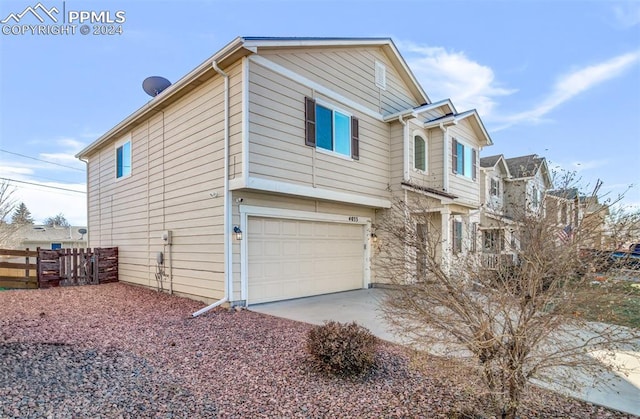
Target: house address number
{"type": "Point", "coordinates": [353, 219]}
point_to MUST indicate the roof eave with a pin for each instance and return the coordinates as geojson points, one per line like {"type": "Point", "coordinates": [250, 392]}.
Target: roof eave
{"type": "Point", "coordinates": [155, 103]}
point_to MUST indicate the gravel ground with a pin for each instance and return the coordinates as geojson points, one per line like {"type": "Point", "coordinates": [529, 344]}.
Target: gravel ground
{"type": "Point", "coordinates": [116, 350]}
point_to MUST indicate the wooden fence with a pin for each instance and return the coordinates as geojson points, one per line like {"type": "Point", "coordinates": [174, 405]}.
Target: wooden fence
{"type": "Point", "coordinates": [16, 272]}
{"type": "Point", "coordinates": [51, 268]}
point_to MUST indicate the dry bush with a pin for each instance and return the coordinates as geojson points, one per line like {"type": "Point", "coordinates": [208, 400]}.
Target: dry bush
{"type": "Point", "coordinates": [516, 322]}
{"type": "Point", "coordinates": [342, 349]}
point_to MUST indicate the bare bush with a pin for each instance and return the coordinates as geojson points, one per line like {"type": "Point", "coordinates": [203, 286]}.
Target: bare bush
{"type": "Point", "coordinates": [517, 319]}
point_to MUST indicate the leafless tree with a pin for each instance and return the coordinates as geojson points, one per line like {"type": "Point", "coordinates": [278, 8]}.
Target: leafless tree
{"type": "Point", "coordinates": [6, 200]}
{"type": "Point", "coordinates": [514, 320]}
{"type": "Point", "coordinates": [7, 205]}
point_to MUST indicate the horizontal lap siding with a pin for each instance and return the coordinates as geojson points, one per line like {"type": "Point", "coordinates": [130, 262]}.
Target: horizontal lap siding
{"type": "Point", "coordinates": [169, 189]}
{"type": "Point", "coordinates": [466, 189]}
{"type": "Point", "coordinates": [277, 147]}
{"type": "Point", "coordinates": [350, 72]}
{"type": "Point", "coordinates": [433, 178]}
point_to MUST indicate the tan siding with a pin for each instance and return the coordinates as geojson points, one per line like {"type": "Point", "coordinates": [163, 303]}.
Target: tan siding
{"type": "Point", "coordinates": [177, 161]}
{"type": "Point", "coordinates": [351, 73]}
{"type": "Point", "coordinates": [278, 152]}
{"type": "Point", "coordinates": [466, 189]}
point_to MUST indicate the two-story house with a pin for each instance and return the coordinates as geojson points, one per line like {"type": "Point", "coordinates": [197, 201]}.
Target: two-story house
{"type": "Point", "coordinates": [570, 210]}
{"type": "Point", "coordinates": [259, 176]}
{"type": "Point", "coordinates": [512, 189]}
{"type": "Point", "coordinates": [497, 229]}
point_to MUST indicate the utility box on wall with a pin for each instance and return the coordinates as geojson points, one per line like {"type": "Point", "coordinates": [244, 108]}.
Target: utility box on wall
{"type": "Point", "coordinates": [166, 237]}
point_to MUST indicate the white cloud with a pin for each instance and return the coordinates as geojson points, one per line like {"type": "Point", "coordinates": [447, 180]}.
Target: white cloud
{"type": "Point", "coordinates": [571, 85]}
{"type": "Point", "coordinates": [48, 198]}
{"type": "Point", "coordinates": [449, 74]}
{"type": "Point", "coordinates": [627, 14]}
{"type": "Point", "coordinates": [43, 201]}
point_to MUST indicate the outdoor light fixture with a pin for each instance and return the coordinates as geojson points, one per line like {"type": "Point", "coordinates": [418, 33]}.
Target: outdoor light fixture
{"type": "Point", "coordinates": [374, 237]}
{"type": "Point", "coordinates": [237, 232]}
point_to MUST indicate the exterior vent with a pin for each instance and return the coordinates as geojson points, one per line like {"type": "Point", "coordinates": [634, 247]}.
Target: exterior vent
{"type": "Point", "coordinates": [381, 75]}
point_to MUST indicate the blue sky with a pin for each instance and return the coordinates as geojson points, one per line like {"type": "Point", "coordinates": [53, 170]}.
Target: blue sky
{"type": "Point", "coordinates": [556, 78]}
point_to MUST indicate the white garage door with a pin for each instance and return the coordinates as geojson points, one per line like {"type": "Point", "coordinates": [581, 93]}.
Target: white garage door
{"type": "Point", "coordinates": [293, 258]}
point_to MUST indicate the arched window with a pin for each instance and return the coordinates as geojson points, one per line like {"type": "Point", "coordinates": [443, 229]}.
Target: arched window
{"type": "Point", "coordinates": [419, 153]}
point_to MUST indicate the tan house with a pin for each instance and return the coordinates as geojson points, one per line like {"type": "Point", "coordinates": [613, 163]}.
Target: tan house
{"type": "Point", "coordinates": [47, 237]}
{"type": "Point", "coordinates": [511, 189]}
{"type": "Point", "coordinates": [258, 176]}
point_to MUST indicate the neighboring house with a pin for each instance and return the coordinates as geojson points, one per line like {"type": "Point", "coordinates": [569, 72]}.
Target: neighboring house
{"type": "Point", "coordinates": [569, 209]}
{"type": "Point", "coordinates": [48, 237]}
{"type": "Point", "coordinates": [497, 229]}
{"type": "Point", "coordinates": [260, 175]}
{"type": "Point", "coordinates": [525, 189]}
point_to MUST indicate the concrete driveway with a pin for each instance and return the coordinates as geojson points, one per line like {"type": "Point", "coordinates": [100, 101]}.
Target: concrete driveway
{"type": "Point", "coordinates": [362, 306]}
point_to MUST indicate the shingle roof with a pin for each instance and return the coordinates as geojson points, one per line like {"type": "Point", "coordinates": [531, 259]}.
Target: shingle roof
{"type": "Point", "coordinates": [569, 193]}
{"type": "Point", "coordinates": [489, 161]}
{"type": "Point", "coordinates": [524, 166]}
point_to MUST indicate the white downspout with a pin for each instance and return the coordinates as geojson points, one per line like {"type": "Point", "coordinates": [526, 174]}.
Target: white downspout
{"type": "Point", "coordinates": [405, 141]}
{"type": "Point", "coordinates": [227, 200]}
{"type": "Point", "coordinates": [445, 176]}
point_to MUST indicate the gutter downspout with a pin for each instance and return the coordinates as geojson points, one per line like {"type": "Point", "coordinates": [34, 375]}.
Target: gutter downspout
{"type": "Point", "coordinates": [86, 171]}
{"type": "Point", "coordinates": [227, 200]}
{"type": "Point", "coordinates": [445, 175]}
{"type": "Point", "coordinates": [405, 140]}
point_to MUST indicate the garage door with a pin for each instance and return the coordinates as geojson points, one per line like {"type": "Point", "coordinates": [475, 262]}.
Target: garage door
{"type": "Point", "coordinates": [293, 258]}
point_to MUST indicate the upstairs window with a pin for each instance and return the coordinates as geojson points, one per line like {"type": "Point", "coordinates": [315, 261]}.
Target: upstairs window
{"type": "Point", "coordinates": [535, 197]}
{"type": "Point", "coordinates": [419, 153]}
{"type": "Point", "coordinates": [464, 159]}
{"type": "Point", "coordinates": [330, 129]}
{"type": "Point", "coordinates": [495, 187]}
{"type": "Point", "coordinates": [123, 159]}
{"type": "Point", "coordinates": [493, 241]}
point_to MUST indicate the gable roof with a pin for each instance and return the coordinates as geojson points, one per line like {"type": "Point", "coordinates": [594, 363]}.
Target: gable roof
{"type": "Point", "coordinates": [490, 161]}
{"type": "Point", "coordinates": [455, 118]}
{"type": "Point", "coordinates": [495, 161]}
{"type": "Point", "coordinates": [525, 167]}
{"type": "Point", "coordinates": [248, 45]}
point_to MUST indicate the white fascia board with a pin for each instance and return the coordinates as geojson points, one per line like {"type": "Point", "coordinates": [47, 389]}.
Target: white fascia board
{"type": "Point", "coordinates": [314, 42]}
{"type": "Point", "coordinates": [432, 124]}
{"type": "Point", "coordinates": [406, 114]}
{"type": "Point", "coordinates": [267, 185]}
{"type": "Point", "coordinates": [291, 75]}
{"type": "Point", "coordinates": [475, 115]}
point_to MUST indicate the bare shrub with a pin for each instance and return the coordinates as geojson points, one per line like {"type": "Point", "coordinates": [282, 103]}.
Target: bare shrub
{"type": "Point", "coordinates": [516, 319]}
{"type": "Point", "coordinates": [342, 349]}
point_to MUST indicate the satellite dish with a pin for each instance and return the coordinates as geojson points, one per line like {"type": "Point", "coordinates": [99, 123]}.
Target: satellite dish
{"type": "Point", "coordinates": [82, 231]}
{"type": "Point", "coordinates": [154, 85]}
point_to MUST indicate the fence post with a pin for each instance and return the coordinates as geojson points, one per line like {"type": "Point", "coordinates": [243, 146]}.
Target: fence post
{"type": "Point", "coordinates": [26, 260]}
{"type": "Point", "coordinates": [38, 266]}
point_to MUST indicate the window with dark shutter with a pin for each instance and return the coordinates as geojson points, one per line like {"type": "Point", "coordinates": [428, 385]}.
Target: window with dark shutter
{"type": "Point", "coordinates": [474, 164]}
{"type": "Point", "coordinates": [355, 138]}
{"type": "Point", "coordinates": [310, 121]}
{"type": "Point", "coordinates": [454, 155]}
